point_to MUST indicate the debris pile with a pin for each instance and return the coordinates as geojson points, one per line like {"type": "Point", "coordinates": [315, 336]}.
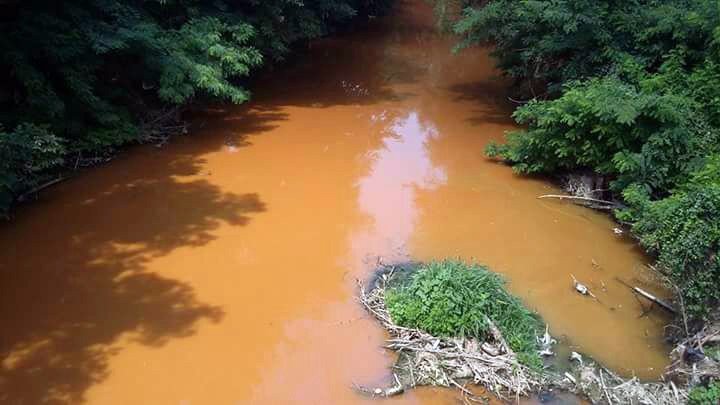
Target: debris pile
{"type": "Point", "coordinates": [424, 359]}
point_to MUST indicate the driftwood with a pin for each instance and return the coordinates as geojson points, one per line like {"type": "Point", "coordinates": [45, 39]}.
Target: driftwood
{"type": "Point", "coordinates": [578, 198]}
{"type": "Point", "coordinates": [601, 386]}
{"type": "Point", "coordinates": [396, 389]}
{"type": "Point", "coordinates": [691, 363]}
{"type": "Point", "coordinates": [162, 125]}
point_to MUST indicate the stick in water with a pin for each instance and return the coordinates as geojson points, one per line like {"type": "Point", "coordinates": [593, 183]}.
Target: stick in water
{"type": "Point", "coordinates": [654, 299]}
{"type": "Point", "coordinates": [572, 197]}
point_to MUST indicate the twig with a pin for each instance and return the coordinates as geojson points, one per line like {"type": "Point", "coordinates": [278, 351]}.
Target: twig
{"type": "Point", "coordinates": [572, 197]}
{"type": "Point", "coordinates": [518, 101]}
{"type": "Point", "coordinates": [602, 381]}
{"type": "Point", "coordinates": [39, 188]}
{"type": "Point", "coordinates": [679, 295]}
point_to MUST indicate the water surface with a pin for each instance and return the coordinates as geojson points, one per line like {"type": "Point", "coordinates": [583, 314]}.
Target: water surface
{"type": "Point", "coordinates": [222, 268]}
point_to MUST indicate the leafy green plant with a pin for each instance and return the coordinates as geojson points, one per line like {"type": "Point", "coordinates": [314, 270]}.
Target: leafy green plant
{"type": "Point", "coordinates": [24, 154]}
{"type": "Point", "coordinates": [684, 231]}
{"type": "Point", "coordinates": [611, 127]}
{"type": "Point", "coordinates": [453, 298]}
{"type": "Point", "coordinates": [553, 42]}
{"type": "Point", "coordinates": [713, 352]}
{"type": "Point", "coordinates": [705, 395]}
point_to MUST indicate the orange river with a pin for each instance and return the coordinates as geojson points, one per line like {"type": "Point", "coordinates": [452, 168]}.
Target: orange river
{"type": "Point", "coordinates": [222, 268]}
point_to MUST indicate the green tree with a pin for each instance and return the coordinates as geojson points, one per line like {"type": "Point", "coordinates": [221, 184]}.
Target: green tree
{"type": "Point", "coordinates": [76, 78]}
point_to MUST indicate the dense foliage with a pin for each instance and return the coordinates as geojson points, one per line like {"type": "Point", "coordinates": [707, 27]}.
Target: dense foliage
{"type": "Point", "coordinates": [453, 298]}
{"type": "Point", "coordinates": [79, 76]}
{"type": "Point", "coordinates": [631, 91]}
{"type": "Point", "coordinates": [705, 395]}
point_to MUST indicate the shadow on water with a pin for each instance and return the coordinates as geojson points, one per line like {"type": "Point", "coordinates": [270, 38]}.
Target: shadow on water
{"type": "Point", "coordinates": [490, 100]}
{"type": "Point", "coordinates": [237, 125]}
{"type": "Point", "coordinates": [341, 74]}
{"type": "Point", "coordinates": [74, 277]}
{"type": "Point", "coordinates": [361, 68]}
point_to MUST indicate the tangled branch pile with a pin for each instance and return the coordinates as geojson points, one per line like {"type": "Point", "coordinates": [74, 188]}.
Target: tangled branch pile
{"type": "Point", "coordinates": [425, 359]}
{"type": "Point", "coordinates": [696, 360]}
{"type": "Point", "coordinates": [690, 378]}
{"type": "Point", "coordinates": [602, 386]}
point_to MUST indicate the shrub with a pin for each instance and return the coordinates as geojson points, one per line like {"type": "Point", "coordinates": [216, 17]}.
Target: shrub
{"type": "Point", "coordinates": [684, 231]}
{"type": "Point", "coordinates": [708, 395]}
{"type": "Point", "coordinates": [554, 42]}
{"type": "Point", "coordinates": [452, 298]}
{"type": "Point", "coordinates": [24, 154]}
{"type": "Point", "coordinates": [632, 94]}
{"type": "Point", "coordinates": [611, 127]}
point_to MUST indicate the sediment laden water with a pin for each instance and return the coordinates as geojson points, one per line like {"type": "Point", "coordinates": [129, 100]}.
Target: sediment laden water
{"type": "Point", "coordinates": [221, 269]}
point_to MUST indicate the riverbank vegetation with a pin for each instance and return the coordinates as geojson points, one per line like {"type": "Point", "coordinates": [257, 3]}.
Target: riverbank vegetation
{"type": "Point", "coordinates": [451, 298]}
{"type": "Point", "coordinates": [451, 322]}
{"type": "Point", "coordinates": [709, 395]}
{"type": "Point", "coordinates": [81, 78]}
{"type": "Point", "coordinates": [629, 91]}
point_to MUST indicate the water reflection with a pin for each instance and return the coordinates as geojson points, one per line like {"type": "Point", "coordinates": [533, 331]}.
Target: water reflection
{"type": "Point", "coordinates": [399, 168]}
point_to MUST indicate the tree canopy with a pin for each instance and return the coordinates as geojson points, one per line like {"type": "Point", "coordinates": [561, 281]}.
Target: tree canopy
{"type": "Point", "coordinates": [78, 76]}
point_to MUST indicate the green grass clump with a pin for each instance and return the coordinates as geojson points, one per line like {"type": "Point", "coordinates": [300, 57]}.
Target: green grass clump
{"type": "Point", "coordinates": [452, 298]}
{"type": "Point", "coordinates": [713, 352]}
{"type": "Point", "coordinates": [708, 395]}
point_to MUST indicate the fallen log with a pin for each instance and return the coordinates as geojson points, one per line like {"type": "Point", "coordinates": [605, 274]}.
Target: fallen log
{"type": "Point", "coordinates": [655, 299]}
{"type": "Point", "coordinates": [578, 198]}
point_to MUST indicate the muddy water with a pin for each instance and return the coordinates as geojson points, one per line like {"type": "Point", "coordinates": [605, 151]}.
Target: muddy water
{"type": "Point", "coordinates": [221, 269]}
